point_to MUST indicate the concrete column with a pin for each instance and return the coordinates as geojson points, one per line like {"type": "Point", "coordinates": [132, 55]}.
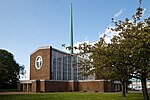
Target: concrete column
{"type": "Point", "coordinates": [67, 66]}
{"type": "Point", "coordinates": [23, 87]}
{"type": "Point", "coordinates": [27, 88]}
{"type": "Point", "coordinates": [72, 78]}
{"type": "Point", "coordinates": [18, 86]}
{"type": "Point", "coordinates": [56, 65]}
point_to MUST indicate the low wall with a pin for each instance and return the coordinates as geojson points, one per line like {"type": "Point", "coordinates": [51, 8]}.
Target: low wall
{"type": "Point", "coordinates": [69, 86]}
{"type": "Point", "coordinates": [91, 86]}
{"type": "Point", "coordinates": [56, 86]}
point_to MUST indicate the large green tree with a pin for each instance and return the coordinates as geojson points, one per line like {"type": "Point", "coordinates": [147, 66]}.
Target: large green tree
{"type": "Point", "coordinates": [111, 61]}
{"type": "Point", "coordinates": [128, 54]}
{"type": "Point", "coordinates": [9, 69]}
{"type": "Point", "coordinates": [135, 36]}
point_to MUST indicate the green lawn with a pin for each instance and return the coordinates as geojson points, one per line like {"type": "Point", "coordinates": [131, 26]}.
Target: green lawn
{"type": "Point", "coordinates": [71, 96]}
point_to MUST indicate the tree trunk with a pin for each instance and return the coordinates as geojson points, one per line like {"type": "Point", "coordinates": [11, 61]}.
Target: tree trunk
{"type": "Point", "coordinates": [126, 83]}
{"type": "Point", "coordinates": [0, 86]}
{"type": "Point", "coordinates": [144, 89]}
{"type": "Point", "coordinates": [123, 88]}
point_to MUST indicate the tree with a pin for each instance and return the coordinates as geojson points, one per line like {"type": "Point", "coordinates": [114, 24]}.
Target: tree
{"type": "Point", "coordinates": [110, 61]}
{"type": "Point", "coordinates": [128, 54]}
{"type": "Point", "coordinates": [113, 59]}
{"type": "Point", "coordinates": [135, 36]}
{"type": "Point", "coordinates": [9, 69]}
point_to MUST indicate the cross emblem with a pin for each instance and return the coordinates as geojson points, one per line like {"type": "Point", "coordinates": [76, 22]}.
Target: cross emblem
{"type": "Point", "coordinates": [38, 62]}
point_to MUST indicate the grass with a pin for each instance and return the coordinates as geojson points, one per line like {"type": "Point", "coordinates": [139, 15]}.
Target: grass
{"type": "Point", "coordinates": [71, 96]}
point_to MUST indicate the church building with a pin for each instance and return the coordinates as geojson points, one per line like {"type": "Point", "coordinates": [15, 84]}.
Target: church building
{"type": "Point", "coordinates": [52, 70]}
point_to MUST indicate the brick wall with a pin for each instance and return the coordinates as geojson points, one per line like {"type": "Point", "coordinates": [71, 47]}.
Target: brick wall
{"type": "Point", "coordinates": [34, 86]}
{"type": "Point", "coordinates": [44, 71]}
{"type": "Point", "coordinates": [42, 86]}
{"type": "Point", "coordinates": [69, 86]}
{"type": "Point", "coordinates": [56, 86]}
{"type": "Point", "coordinates": [91, 86]}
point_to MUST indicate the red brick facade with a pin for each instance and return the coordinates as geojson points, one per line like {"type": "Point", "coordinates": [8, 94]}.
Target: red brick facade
{"type": "Point", "coordinates": [44, 71]}
{"type": "Point", "coordinates": [70, 86]}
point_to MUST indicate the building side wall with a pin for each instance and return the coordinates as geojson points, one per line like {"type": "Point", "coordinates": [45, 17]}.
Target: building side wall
{"type": "Point", "coordinates": [44, 71]}
{"type": "Point", "coordinates": [69, 86]}
{"type": "Point", "coordinates": [91, 86]}
{"type": "Point", "coordinates": [54, 86]}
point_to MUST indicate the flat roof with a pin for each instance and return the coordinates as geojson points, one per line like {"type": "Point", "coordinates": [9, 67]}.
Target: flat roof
{"type": "Point", "coordinates": [48, 47]}
{"type": "Point", "coordinates": [43, 47]}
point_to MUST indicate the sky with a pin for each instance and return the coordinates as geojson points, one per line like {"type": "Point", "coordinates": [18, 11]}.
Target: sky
{"type": "Point", "coordinates": [26, 25]}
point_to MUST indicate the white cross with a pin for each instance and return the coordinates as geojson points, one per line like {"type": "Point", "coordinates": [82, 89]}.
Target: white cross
{"type": "Point", "coordinates": [39, 62]}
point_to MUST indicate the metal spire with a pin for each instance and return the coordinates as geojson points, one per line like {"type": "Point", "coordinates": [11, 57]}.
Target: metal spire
{"type": "Point", "coordinates": [71, 30]}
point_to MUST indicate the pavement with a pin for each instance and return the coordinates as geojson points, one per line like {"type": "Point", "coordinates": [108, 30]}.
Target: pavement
{"type": "Point", "coordinates": [14, 92]}
{"type": "Point", "coordinates": [1, 93]}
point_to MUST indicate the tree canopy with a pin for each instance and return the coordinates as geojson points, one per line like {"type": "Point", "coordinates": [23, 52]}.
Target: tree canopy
{"type": "Point", "coordinates": [128, 54]}
{"type": "Point", "coordinates": [9, 69]}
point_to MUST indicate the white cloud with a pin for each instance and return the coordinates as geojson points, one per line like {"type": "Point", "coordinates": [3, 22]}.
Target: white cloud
{"type": "Point", "coordinates": [119, 13]}
{"type": "Point", "coordinates": [108, 34]}
{"type": "Point", "coordinates": [77, 45]}
{"type": "Point", "coordinates": [66, 50]}
{"type": "Point", "coordinates": [144, 11]}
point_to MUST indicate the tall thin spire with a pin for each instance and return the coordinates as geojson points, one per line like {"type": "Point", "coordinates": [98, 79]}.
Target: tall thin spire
{"type": "Point", "coordinates": [71, 30]}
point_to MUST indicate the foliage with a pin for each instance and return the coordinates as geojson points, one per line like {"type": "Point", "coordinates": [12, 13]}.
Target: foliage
{"type": "Point", "coordinates": [9, 69]}
{"type": "Point", "coordinates": [128, 54]}
{"type": "Point", "coordinates": [135, 37]}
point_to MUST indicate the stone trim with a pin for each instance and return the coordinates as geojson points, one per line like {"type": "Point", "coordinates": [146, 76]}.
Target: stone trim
{"type": "Point", "coordinates": [44, 47]}
{"type": "Point", "coordinates": [25, 81]}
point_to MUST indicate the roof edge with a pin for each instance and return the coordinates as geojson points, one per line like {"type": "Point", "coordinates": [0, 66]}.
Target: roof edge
{"type": "Point", "coordinates": [44, 47]}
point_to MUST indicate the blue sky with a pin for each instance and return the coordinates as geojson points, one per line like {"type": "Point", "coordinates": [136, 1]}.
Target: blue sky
{"type": "Point", "coordinates": [26, 25]}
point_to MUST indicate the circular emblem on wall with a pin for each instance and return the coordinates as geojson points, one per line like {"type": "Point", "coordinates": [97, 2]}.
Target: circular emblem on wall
{"type": "Point", "coordinates": [38, 62]}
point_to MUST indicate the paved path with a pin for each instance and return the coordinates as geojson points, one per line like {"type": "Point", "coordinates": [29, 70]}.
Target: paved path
{"type": "Point", "coordinates": [7, 92]}
{"type": "Point", "coordinates": [1, 93]}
